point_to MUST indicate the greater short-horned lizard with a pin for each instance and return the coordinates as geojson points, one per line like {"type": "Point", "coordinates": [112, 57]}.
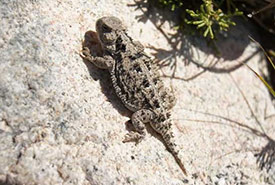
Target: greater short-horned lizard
{"type": "Point", "coordinates": [136, 82]}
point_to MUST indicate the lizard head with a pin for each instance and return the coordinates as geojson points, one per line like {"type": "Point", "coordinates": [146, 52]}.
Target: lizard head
{"type": "Point", "coordinates": [108, 29]}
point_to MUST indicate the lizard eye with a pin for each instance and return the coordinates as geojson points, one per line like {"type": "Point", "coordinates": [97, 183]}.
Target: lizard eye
{"type": "Point", "coordinates": [105, 28]}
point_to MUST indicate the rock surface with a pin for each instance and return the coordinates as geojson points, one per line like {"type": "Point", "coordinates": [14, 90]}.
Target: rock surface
{"type": "Point", "coordinates": [61, 122]}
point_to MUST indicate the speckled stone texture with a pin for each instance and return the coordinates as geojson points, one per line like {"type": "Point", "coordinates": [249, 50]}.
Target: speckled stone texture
{"type": "Point", "coordinates": [61, 122]}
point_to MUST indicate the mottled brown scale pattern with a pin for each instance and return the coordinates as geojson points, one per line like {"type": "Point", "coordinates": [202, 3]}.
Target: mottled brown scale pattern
{"type": "Point", "coordinates": [136, 82]}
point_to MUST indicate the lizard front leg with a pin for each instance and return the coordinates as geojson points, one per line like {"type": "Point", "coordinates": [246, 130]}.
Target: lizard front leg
{"type": "Point", "coordinates": [104, 62]}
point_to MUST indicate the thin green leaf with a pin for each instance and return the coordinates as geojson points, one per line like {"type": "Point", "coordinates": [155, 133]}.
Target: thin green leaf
{"type": "Point", "coordinates": [222, 24]}
{"type": "Point", "coordinates": [211, 32]}
{"type": "Point", "coordinates": [201, 25]}
{"type": "Point", "coordinates": [206, 31]}
{"type": "Point", "coordinates": [202, 9]}
{"type": "Point", "coordinates": [262, 79]}
{"type": "Point", "coordinates": [268, 58]}
{"type": "Point", "coordinates": [173, 7]}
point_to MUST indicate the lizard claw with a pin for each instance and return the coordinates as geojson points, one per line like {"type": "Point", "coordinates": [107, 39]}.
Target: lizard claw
{"type": "Point", "coordinates": [133, 136]}
{"type": "Point", "coordinates": [86, 54]}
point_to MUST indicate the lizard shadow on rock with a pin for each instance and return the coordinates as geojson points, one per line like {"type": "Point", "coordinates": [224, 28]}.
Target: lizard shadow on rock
{"type": "Point", "coordinates": [230, 46]}
{"type": "Point", "coordinates": [91, 41]}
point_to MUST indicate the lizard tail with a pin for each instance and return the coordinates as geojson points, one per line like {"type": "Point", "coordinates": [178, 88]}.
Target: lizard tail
{"type": "Point", "coordinates": [173, 148]}
{"type": "Point", "coordinates": [180, 164]}
{"type": "Point", "coordinates": [164, 129]}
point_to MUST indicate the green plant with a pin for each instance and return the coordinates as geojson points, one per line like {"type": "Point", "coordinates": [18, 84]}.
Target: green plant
{"type": "Point", "coordinates": [207, 18]}
{"type": "Point", "coordinates": [172, 4]}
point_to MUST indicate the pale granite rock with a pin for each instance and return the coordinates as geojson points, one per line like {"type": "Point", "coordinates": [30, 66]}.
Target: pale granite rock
{"type": "Point", "coordinates": [61, 122]}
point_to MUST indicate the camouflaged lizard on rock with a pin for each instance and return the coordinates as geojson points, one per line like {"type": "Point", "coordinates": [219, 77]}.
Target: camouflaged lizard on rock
{"type": "Point", "coordinates": [136, 82]}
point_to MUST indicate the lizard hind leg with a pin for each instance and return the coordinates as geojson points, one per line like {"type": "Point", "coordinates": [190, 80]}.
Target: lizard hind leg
{"type": "Point", "coordinates": [139, 119]}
